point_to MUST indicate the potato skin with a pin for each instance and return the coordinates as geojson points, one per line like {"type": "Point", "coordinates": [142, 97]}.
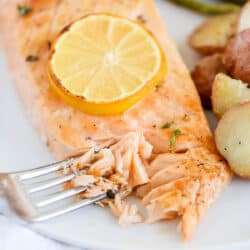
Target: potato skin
{"type": "Point", "coordinates": [232, 138]}
{"type": "Point", "coordinates": [237, 56]}
{"type": "Point", "coordinates": [213, 35]}
{"type": "Point", "coordinates": [204, 74]}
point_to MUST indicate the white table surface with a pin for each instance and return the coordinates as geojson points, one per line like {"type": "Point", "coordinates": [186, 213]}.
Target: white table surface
{"type": "Point", "coordinates": [14, 237]}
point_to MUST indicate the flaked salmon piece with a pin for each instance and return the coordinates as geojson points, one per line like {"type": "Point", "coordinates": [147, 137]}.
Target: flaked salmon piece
{"type": "Point", "coordinates": [103, 163]}
{"type": "Point", "coordinates": [84, 180]}
{"type": "Point", "coordinates": [151, 196]}
{"type": "Point", "coordinates": [186, 187]}
{"type": "Point", "coordinates": [162, 161]}
{"type": "Point", "coordinates": [102, 173]}
{"type": "Point", "coordinates": [127, 213]}
{"type": "Point", "coordinates": [138, 134]}
{"type": "Point", "coordinates": [94, 185]}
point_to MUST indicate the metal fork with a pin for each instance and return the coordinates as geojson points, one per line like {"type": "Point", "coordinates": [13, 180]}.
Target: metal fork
{"type": "Point", "coordinates": [17, 188]}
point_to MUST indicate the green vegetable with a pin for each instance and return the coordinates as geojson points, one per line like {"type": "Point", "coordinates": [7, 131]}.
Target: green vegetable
{"type": "Point", "coordinates": [23, 10]}
{"type": "Point", "coordinates": [239, 2]}
{"type": "Point", "coordinates": [173, 137]}
{"type": "Point", "coordinates": [208, 8]}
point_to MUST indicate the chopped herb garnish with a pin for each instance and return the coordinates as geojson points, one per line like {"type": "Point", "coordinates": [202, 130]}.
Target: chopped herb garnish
{"type": "Point", "coordinates": [49, 44]}
{"type": "Point", "coordinates": [32, 58]}
{"type": "Point", "coordinates": [173, 137]}
{"type": "Point", "coordinates": [23, 10]}
{"type": "Point", "coordinates": [167, 125]}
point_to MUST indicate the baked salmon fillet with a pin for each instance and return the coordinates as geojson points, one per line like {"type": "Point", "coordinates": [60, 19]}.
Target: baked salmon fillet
{"type": "Point", "coordinates": [130, 151]}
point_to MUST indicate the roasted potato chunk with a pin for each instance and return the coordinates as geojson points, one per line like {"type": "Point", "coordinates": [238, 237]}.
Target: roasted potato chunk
{"type": "Point", "coordinates": [213, 35]}
{"type": "Point", "coordinates": [232, 138]}
{"type": "Point", "coordinates": [237, 56]}
{"type": "Point", "coordinates": [244, 18]}
{"type": "Point", "coordinates": [227, 92]}
{"type": "Point", "coordinates": [204, 74]}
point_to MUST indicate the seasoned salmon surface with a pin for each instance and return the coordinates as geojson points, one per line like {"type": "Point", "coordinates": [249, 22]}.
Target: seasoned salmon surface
{"type": "Point", "coordinates": [181, 180]}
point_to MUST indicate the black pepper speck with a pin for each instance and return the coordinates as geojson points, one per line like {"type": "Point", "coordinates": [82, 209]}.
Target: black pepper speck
{"type": "Point", "coordinates": [110, 194]}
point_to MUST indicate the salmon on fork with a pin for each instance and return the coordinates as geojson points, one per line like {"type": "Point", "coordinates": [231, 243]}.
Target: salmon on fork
{"type": "Point", "coordinates": [162, 147]}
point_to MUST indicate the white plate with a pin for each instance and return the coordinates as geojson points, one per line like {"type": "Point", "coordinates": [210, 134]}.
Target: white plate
{"type": "Point", "coordinates": [226, 223]}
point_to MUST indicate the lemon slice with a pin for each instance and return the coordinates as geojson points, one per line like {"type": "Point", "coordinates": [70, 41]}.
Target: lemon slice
{"type": "Point", "coordinates": [103, 64]}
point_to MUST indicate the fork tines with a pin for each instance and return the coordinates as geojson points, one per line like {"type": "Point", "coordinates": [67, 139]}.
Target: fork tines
{"type": "Point", "coordinates": [21, 192]}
